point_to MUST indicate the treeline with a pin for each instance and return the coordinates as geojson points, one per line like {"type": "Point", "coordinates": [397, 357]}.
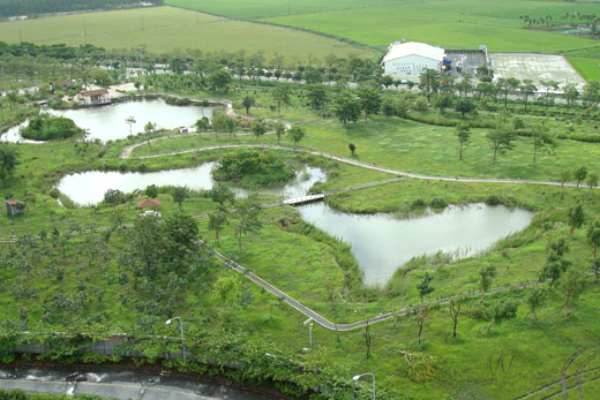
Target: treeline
{"type": "Point", "coordinates": [59, 51]}
{"type": "Point", "coordinates": [10, 8]}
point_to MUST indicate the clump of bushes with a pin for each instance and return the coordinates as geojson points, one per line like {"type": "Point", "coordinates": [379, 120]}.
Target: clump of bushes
{"type": "Point", "coordinates": [48, 127]}
{"type": "Point", "coordinates": [253, 169]}
{"type": "Point", "coordinates": [177, 101]}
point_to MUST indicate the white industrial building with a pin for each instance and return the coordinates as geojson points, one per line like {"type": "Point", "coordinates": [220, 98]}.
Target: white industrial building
{"type": "Point", "coordinates": [412, 58]}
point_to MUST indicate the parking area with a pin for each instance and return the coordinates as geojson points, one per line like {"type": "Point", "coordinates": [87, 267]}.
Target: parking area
{"type": "Point", "coordinates": [537, 67]}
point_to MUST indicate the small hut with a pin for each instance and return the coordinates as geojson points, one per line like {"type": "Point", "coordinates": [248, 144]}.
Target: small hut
{"type": "Point", "coordinates": [14, 207]}
{"type": "Point", "coordinates": [149, 203]}
{"type": "Point", "coordinates": [96, 97]}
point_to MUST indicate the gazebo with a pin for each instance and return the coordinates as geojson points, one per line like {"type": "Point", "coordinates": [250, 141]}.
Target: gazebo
{"type": "Point", "coordinates": [14, 207]}
{"type": "Point", "coordinates": [148, 203]}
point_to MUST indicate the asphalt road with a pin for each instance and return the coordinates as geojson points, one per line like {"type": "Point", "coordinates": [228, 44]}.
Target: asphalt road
{"type": "Point", "coordinates": [120, 385]}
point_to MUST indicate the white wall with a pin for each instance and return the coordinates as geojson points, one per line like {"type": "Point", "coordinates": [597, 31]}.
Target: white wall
{"type": "Point", "coordinates": [410, 65]}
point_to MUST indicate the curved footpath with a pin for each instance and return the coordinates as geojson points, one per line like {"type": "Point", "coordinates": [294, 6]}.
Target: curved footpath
{"type": "Point", "coordinates": [126, 154]}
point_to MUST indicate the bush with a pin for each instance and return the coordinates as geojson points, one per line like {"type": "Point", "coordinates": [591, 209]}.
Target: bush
{"type": "Point", "coordinates": [438, 203]}
{"type": "Point", "coordinates": [47, 127]}
{"type": "Point", "coordinates": [418, 203]}
{"type": "Point", "coordinates": [253, 169]}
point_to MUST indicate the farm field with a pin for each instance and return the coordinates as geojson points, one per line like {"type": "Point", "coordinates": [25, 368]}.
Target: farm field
{"type": "Point", "coordinates": [171, 30]}
{"type": "Point", "coordinates": [586, 67]}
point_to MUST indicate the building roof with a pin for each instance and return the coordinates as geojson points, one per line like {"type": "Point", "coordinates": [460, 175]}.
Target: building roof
{"type": "Point", "coordinates": [148, 203]}
{"type": "Point", "coordinates": [92, 93]}
{"type": "Point", "coordinates": [424, 50]}
{"type": "Point", "coordinates": [14, 202]}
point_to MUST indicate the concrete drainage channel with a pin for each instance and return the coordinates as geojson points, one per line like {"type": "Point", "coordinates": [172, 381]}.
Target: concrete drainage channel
{"type": "Point", "coordinates": [120, 385]}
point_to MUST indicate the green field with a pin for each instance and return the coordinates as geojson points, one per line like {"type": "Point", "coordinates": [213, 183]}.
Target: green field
{"type": "Point", "coordinates": [586, 67]}
{"type": "Point", "coordinates": [450, 23]}
{"type": "Point", "coordinates": [171, 30]}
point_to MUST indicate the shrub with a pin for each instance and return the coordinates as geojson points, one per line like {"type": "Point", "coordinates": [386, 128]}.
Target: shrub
{"type": "Point", "coordinates": [47, 127]}
{"type": "Point", "coordinates": [438, 203]}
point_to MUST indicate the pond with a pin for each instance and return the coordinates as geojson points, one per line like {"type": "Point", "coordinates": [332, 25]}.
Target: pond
{"type": "Point", "coordinates": [88, 188]}
{"type": "Point", "coordinates": [108, 122]}
{"type": "Point", "coordinates": [382, 243]}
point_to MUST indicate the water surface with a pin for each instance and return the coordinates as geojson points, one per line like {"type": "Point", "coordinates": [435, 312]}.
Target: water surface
{"type": "Point", "coordinates": [89, 187]}
{"type": "Point", "coordinates": [382, 244]}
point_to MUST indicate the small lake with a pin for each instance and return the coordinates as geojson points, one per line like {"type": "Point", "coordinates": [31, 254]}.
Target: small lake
{"type": "Point", "coordinates": [108, 122]}
{"type": "Point", "coordinates": [382, 243]}
{"type": "Point", "coordinates": [88, 188]}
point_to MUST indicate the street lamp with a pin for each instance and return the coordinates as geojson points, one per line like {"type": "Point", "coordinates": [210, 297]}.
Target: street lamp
{"type": "Point", "coordinates": [181, 330]}
{"type": "Point", "coordinates": [357, 377]}
{"type": "Point", "coordinates": [310, 328]}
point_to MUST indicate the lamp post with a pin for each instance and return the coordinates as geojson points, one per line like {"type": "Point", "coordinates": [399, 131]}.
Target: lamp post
{"type": "Point", "coordinates": [357, 377]}
{"type": "Point", "coordinates": [310, 327]}
{"type": "Point", "coordinates": [181, 330]}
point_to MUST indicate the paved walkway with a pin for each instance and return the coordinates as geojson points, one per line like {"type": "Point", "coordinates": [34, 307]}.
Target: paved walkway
{"type": "Point", "coordinates": [126, 154]}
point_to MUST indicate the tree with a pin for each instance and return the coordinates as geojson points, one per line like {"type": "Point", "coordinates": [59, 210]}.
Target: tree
{"type": "Point", "coordinates": [352, 148]}
{"type": "Point", "coordinates": [506, 85]}
{"type": "Point", "coordinates": [423, 315]}
{"type": "Point", "coordinates": [463, 134]}
{"type": "Point", "coordinates": [565, 176]}
{"type": "Point", "coordinates": [9, 159]}
{"type": "Point", "coordinates": [580, 174]}
{"type": "Point", "coordinates": [556, 265]}
{"type": "Point", "coordinates": [429, 82]}
{"type": "Point", "coordinates": [424, 286]}
{"type": "Point", "coordinates": [149, 127]}
{"type": "Point", "coordinates": [370, 101]}
{"type": "Point", "coordinates": [113, 197]}
{"type": "Point", "coordinates": [549, 85]}
{"type": "Point", "coordinates": [296, 134]}
{"type": "Point", "coordinates": [536, 297]}
{"type": "Point", "coordinates": [501, 139]}
{"type": "Point", "coordinates": [542, 142]}
{"type": "Point", "coordinates": [151, 191]}
{"type": "Point", "coordinates": [572, 285]}
{"type": "Point", "coordinates": [527, 89]}
{"type": "Point", "coordinates": [202, 124]}
{"type": "Point", "coordinates": [486, 277]}
{"type": "Point", "coordinates": [130, 121]}
{"type": "Point", "coordinates": [217, 219]}
{"type": "Point", "coordinates": [220, 194]}
{"type": "Point", "coordinates": [226, 287]}
{"type": "Point", "coordinates": [593, 235]}
{"type": "Point", "coordinates": [465, 105]}
{"type": "Point", "coordinates": [592, 180]}
{"type": "Point", "coordinates": [179, 195]}
{"type": "Point", "coordinates": [454, 311]}
{"type": "Point", "coordinates": [223, 123]}
{"type": "Point", "coordinates": [220, 81]}
{"type": "Point", "coordinates": [279, 130]}
{"type": "Point", "coordinates": [347, 108]}
{"type": "Point", "coordinates": [442, 101]}
{"type": "Point", "coordinates": [246, 218]}
{"type": "Point", "coordinates": [281, 94]}
{"type": "Point", "coordinates": [259, 128]}
{"type": "Point", "coordinates": [247, 103]}
{"type": "Point", "coordinates": [503, 311]}
{"type": "Point", "coordinates": [317, 96]}
{"type": "Point", "coordinates": [576, 218]}
{"type": "Point", "coordinates": [570, 94]}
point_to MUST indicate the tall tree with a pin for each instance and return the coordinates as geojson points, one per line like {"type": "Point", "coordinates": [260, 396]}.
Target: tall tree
{"type": "Point", "coordinates": [501, 140]}
{"type": "Point", "coordinates": [527, 89]}
{"type": "Point", "coordinates": [570, 94]}
{"type": "Point", "coordinates": [542, 141]}
{"type": "Point", "coordinates": [296, 134]}
{"type": "Point", "coordinates": [347, 108]}
{"type": "Point", "coordinates": [217, 219]}
{"type": "Point", "coordinates": [259, 128]}
{"type": "Point", "coordinates": [246, 219]}
{"type": "Point", "coordinates": [280, 129]}
{"type": "Point", "coordinates": [9, 159]}
{"type": "Point", "coordinates": [317, 96]}
{"type": "Point", "coordinates": [592, 180]}
{"type": "Point", "coordinates": [580, 174]}
{"type": "Point", "coordinates": [463, 134]}
{"type": "Point", "coordinates": [179, 195]}
{"type": "Point", "coordinates": [572, 285]}
{"type": "Point", "coordinates": [370, 100]}
{"type": "Point", "coordinates": [576, 218]}
{"type": "Point", "coordinates": [549, 85]}
{"type": "Point", "coordinates": [593, 235]}
{"type": "Point", "coordinates": [429, 82]}
{"type": "Point", "coordinates": [281, 94]}
{"type": "Point", "coordinates": [248, 102]}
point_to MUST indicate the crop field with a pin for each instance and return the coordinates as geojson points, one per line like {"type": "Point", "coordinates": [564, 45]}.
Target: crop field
{"type": "Point", "coordinates": [586, 67]}
{"type": "Point", "coordinates": [170, 30]}
{"type": "Point", "coordinates": [453, 23]}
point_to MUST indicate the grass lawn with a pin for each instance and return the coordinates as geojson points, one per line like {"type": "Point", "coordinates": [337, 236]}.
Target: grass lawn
{"type": "Point", "coordinates": [172, 30]}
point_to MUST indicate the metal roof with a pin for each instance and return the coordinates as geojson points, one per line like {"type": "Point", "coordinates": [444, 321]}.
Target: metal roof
{"type": "Point", "coordinates": [414, 49]}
